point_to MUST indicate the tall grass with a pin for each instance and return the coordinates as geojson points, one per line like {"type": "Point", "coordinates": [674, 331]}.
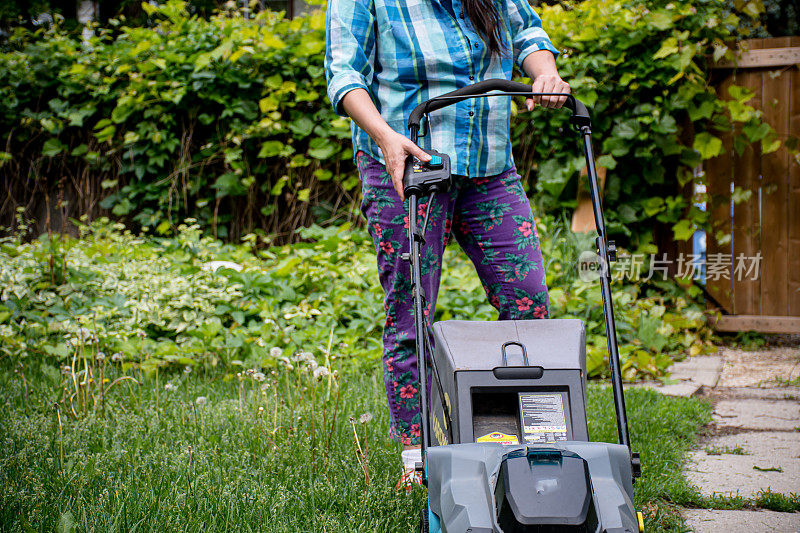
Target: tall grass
{"type": "Point", "coordinates": [249, 451]}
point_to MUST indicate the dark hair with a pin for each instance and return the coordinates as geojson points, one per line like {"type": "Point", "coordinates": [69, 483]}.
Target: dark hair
{"type": "Point", "coordinates": [485, 17]}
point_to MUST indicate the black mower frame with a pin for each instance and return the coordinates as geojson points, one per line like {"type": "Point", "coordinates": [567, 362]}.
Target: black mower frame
{"type": "Point", "coordinates": [606, 250]}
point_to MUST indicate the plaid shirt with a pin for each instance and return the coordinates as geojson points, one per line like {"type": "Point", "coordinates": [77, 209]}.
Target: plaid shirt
{"type": "Point", "coordinates": [404, 52]}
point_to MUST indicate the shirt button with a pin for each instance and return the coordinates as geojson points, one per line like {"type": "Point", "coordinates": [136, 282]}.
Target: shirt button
{"type": "Point", "coordinates": [472, 77]}
{"type": "Point", "coordinates": [477, 45]}
{"type": "Point", "coordinates": [471, 113]}
{"type": "Point", "coordinates": [462, 15]}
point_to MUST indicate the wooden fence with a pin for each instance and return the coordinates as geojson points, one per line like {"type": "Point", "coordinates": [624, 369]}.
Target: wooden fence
{"type": "Point", "coordinates": [765, 229]}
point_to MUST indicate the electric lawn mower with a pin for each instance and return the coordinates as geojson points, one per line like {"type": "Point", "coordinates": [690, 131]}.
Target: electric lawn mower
{"type": "Point", "coordinates": [505, 443]}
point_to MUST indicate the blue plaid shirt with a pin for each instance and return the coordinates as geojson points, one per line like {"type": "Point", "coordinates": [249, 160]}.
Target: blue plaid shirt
{"type": "Point", "coordinates": [404, 52]}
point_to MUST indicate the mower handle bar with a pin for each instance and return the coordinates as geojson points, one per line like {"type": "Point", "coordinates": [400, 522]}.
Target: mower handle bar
{"type": "Point", "coordinates": [580, 114]}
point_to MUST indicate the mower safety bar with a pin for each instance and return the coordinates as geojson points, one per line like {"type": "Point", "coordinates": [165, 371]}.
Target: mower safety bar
{"type": "Point", "coordinates": [580, 114]}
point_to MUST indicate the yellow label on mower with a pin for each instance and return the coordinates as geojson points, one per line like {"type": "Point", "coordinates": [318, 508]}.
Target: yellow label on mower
{"type": "Point", "coordinates": [498, 437]}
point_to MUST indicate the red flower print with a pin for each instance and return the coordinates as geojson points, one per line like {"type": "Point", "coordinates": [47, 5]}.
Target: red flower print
{"type": "Point", "coordinates": [494, 300]}
{"type": "Point", "coordinates": [421, 209]}
{"type": "Point", "coordinates": [408, 392]}
{"type": "Point", "coordinates": [389, 321]}
{"type": "Point", "coordinates": [415, 430]}
{"type": "Point", "coordinates": [394, 385]}
{"type": "Point", "coordinates": [525, 229]}
{"type": "Point", "coordinates": [524, 304]}
{"type": "Point", "coordinates": [481, 180]}
{"type": "Point", "coordinates": [390, 364]}
{"type": "Point", "coordinates": [405, 440]}
{"type": "Point", "coordinates": [540, 312]}
{"type": "Point", "coordinates": [377, 229]}
{"type": "Point", "coordinates": [405, 222]}
{"type": "Point", "coordinates": [387, 247]}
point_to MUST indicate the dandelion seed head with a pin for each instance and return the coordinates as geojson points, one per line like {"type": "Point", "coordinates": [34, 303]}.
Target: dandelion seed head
{"type": "Point", "coordinates": [187, 369]}
{"type": "Point", "coordinates": [117, 357]}
{"type": "Point", "coordinates": [100, 356]}
{"type": "Point", "coordinates": [201, 400]}
{"type": "Point", "coordinates": [321, 372]}
{"type": "Point", "coordinates": [170, 387]}
{"type": "Point", "coordinates": [275, 352]}
{"type": "Point", "coordinates": [259, 376]}
{"type": "Point", "coordinates": [366, 418]}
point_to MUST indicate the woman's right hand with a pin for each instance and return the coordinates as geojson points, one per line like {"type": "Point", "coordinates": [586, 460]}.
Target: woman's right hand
{"type": "Point", "coordinates": [396, 148]}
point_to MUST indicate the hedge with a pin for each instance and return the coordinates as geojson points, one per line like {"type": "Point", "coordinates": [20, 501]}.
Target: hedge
{"type": "Point", "coordinates": [225, 119]}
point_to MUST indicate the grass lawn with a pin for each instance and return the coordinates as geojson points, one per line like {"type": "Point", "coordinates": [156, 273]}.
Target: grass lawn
{"type": "Point", "coordinates": [203, 452]}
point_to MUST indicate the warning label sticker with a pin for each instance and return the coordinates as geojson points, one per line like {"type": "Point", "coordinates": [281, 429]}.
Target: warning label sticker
{"type": "Point", "coordinates": [498, 437]}
{"type": "Point", "coordinates": [542, 417]}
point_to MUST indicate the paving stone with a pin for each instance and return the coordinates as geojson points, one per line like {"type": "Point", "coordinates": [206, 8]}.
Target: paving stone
{"type": "Point", "coordinates": [690, 377]}
{"type": "Point", "coordinates": [732, 475]}
{"type": "Point", "coordinates": [685, 388]}
{"type": "Point", "coordinates": [711, 521]}
{"type": "Point", "coordinates": [758, 414]}
{"type": "Point", "coordinates": [702, 370]}
{"type": "Point", "coordinates": [759, 393]}
{"type": "Point", "coordinates": [769, 366]}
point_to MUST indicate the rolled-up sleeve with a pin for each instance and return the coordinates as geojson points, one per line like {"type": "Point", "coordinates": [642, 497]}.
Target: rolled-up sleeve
{"type": "Point", "coordinates": [527, 32]}
{"type": "Point", "coordinates": [350, 48]}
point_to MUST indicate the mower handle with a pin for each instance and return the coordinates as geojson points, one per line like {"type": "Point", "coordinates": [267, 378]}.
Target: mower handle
{"type": "Point", "coordinates": [580, 114]}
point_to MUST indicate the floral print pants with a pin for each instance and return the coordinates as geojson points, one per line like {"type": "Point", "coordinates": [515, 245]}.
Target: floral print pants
{"type": "Point", "coordinates": [491, 219]}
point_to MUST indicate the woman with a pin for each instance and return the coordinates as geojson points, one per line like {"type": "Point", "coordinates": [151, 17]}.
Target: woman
{"type": "Point", "coordinates": [383, 58]}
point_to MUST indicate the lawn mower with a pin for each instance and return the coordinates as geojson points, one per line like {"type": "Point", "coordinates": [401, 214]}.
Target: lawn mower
{"type": "Point", "coordinates": [505, 442]}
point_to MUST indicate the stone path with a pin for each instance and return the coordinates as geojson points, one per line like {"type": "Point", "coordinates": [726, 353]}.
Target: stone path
{"type": "Point", "coordinates": [753, 443]}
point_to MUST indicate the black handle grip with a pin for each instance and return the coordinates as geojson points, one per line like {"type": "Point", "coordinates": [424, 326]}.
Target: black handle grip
{"type": "Point", "coordinates": [580, 114]}
{"type": "Point", "coordinates": [518, 372]}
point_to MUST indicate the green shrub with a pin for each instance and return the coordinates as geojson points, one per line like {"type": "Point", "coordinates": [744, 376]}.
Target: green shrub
{"type": "Point", "coordinates": [223, 119]}
{"type": "Point", "coordinates": [156, 301]}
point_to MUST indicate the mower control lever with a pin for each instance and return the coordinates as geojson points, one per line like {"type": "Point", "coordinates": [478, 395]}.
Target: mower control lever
{"type": "Point", "coordinates": [421, 178]}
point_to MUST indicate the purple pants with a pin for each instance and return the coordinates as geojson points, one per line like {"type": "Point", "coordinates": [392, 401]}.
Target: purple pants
{"type": "Point", "coordinates": [491, 219]}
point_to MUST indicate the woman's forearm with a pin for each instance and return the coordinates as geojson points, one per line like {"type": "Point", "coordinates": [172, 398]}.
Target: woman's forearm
{"type": "Point", "coordinates": [360, 107]}
{"type": "Point", "coordinates": [540, 63]}
{"type": "Point", "coordinates": [394, 147]}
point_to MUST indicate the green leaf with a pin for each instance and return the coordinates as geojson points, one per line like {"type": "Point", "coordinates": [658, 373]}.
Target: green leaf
{"type": "Point", "coordinates": [52, 147]}
{"type": "Point", "coordinates": [683, 230]}
{"type": "Point", "coordinates": [321, 148]}
{"type": "Point", "coordinates": [606, 161]}
{"type": "Point", "coordinates": [707, 145]}
{"type": "Point", "coordinates": [270, 149]}
{"type": "Point", "coordinates": [302, 127]}
{"type": "Point", "coordinates": [124, 207]}
{"type": "Point", "coordinates": [668, 47]}
{"type": "Point", "coordinates": [704, 110]}
{"type": "Point", "coordinates": [756, 131]}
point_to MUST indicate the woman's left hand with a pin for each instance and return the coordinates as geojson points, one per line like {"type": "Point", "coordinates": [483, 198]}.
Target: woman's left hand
{"type": "Point", "coordinates": [548, 83]}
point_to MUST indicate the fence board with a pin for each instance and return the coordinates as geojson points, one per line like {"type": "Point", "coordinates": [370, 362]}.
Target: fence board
{"type": "Point", "coordinates": [746, 234]}
{"type": "Point", "coordinates": [774, 196]}
{"type": "Point", "coordinates": [719, 172]}
{"type": "Point", "coordinates": [793, 221]}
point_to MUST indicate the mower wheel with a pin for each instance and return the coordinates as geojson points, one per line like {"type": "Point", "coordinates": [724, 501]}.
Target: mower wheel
{"type": "Point", "coordinates": [423, 521]}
